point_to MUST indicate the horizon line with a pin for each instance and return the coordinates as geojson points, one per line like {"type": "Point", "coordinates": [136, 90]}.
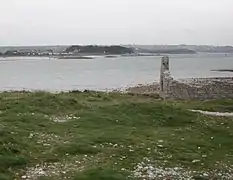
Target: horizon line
{"type": "Point", "coordinates": [134, 44]}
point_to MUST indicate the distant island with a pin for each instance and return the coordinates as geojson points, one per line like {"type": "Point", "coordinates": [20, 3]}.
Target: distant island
{"type": "Point", "coordinates": [106, 50]}
{"type": "Point", "coordinates": [72, 51]}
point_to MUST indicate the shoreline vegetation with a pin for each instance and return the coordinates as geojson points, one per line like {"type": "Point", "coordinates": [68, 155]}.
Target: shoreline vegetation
{"type": "Point", "coordinates": [121, 136]}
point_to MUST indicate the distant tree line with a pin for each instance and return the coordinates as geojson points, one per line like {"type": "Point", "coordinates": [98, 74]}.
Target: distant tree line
{"type": "Point", "coordinates": [99, 49]}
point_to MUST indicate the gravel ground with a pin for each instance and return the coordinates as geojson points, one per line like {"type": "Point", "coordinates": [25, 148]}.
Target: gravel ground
{"type": "Point", "coordinates": [196, 82]}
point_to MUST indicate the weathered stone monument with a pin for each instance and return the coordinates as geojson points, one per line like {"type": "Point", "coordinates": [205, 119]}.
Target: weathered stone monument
{"type": "Point", "coordinates": [165, 76]}
{"type": "Point", "coordinates": [164, 68]}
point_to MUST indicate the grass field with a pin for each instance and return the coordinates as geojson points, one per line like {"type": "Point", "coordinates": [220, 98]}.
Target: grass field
{"type": "Point", "coordinates": [100, 136]}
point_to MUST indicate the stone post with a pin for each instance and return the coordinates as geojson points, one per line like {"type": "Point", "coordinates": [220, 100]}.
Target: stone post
{"type": "Point", "coordinates": [164, 72]}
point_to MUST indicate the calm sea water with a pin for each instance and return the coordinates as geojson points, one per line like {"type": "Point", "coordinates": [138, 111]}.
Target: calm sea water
{"type": "Point", "coordinates": [101, 73]}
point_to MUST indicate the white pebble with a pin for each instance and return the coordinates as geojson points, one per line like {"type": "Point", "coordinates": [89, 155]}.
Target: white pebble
{"type": "Point", "coordinates": [160, 146]}
{"type": "Point", "coordinates": [195, 161]}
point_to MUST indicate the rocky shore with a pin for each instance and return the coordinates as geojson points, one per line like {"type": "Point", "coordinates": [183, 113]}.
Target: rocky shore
{"type": "Point", "coordinates": [199, 82]}
{"type": "Point", "coordinates": [144, 89]}
{"type": "Point", "coordinates": [193, 82]}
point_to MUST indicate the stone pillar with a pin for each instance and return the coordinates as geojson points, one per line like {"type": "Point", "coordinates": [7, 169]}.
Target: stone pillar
{"type": "Point", "coordinates": [164, 69]}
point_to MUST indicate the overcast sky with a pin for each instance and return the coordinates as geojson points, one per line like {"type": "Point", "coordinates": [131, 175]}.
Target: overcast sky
{"type": "Point", "coordinates": [52, 22]}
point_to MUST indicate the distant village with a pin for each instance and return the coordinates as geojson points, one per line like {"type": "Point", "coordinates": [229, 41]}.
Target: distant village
{"type": "Point", "coordinates": [35, 52]}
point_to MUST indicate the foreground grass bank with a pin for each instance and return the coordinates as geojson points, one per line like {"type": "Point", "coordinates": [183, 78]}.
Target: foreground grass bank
{"type": "Point", "coordinates": [86, 136]}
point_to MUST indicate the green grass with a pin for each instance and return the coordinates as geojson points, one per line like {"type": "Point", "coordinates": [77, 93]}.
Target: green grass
{"type": "Point", "coordinates": [108, 134]}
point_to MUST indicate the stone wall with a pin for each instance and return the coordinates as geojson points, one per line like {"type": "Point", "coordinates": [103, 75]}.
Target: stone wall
{"type": "Point", "coordinates": [195, 88]}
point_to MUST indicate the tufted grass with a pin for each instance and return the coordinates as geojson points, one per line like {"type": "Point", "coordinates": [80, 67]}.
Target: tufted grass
{"type": "Point", "coordinates": [107, 134]}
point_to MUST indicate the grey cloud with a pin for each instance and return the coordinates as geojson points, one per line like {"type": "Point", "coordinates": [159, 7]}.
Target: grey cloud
{"type": "Point", "coordinates": [32, 22]}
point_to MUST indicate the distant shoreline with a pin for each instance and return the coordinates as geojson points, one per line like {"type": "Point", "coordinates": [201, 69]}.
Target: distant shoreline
{"type": "Point", "coordinates": [109, 50]}
{"type": "Point", "coordinates": [74, 57]}
{"type": "Point", "coordinates": [223, 70]}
